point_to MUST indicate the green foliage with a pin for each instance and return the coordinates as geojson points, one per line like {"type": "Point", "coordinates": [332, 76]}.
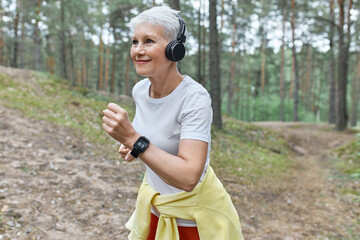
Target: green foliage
{"type": "Point", "coordinates": [256, 24]}
{"type": "Point", "coordinates": [347, 159]}
{"type": "Point", "coordinates": [2, 227]}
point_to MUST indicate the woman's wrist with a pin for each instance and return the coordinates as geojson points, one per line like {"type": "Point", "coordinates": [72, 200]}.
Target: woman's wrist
{"type": "Point", "coordinates": [131, 140]}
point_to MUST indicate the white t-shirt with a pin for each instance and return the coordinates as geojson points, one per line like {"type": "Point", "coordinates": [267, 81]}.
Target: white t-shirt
{"type": "Point", "coordinates": [185, 113]}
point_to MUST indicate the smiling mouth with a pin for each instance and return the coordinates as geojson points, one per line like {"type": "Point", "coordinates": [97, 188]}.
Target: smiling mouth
{"type": "Point", "coordinates": [142, 61]}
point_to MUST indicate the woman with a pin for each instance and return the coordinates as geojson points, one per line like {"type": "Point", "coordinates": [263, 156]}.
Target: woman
{"type": "Point", "coordinates": [180, 196]}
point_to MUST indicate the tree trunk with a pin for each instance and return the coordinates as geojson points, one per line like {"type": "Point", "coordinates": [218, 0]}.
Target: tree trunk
{"type": "Point", "coordinates": [22, 48]}
{"type": "Point", "coordinates": [2, 52]}
{"type": "Point", "coordinates": [314, 88]}
{"type": "Point", "coordinates": [50, 62]}
{"type": "Point", "coordinates": [222, 16]}
{"type": "Point", "coordinates": [332, 83]}
{"type": "Point", "coordinates": [232, 72]}
{"type": "Point", "coordinates": [237, 97]}
{"type": "Point", "coordinates": [89, 80]}
{"type": "Point", "coordinates": [220, 39]}
{"type": "Point", "coordinates": [292, 77]}
{"type": "Point", "coordinates": [318, 96]}
{"type": "Point", "coordinates": [77, 76]}
{"type": "Point", "coordinates": [204, 58]}
{"type": "Point", "coordinates": [174, 4]}
{"type": "Point", "coordinates": [37, 39]}
{"type": "Point", "coordinates": [284, 13]}
{"type": "Point", "coordinates": [248, 117]}
{"type": "Point", "coordinates": [83, 64]}
{"type": "Point", "coordinates": [257, 92]}
{"type": "Point", "coordinates": [101, 64]}
{"type": "Point", "coordinates": [16, 38]}
{"type": "Point", "coordinates": [88, 63]}
{"type": "Point", "coordinates": [308, 80]}
{"type": "Point", "coordinates": [214, 66]}
{"type": "Point", "coordinates": [106, 77]}
{"type": "Point", "coordinates": [199, 52]}
{"type": "Point", "coordinates": [113, 68]}
{"type": "Point", "coordinates": [355, 95]}
{"type": "Point", "coordinates": [72, 73]}
{"type": "Point", "coordinates": [295, 68]}
{"type": "Point", "coordinates": [127, 80]}
{"type": "Point", "coordinates": [113, 65]}
{"type": "Point", "coordinates": [341, 115]}
{"type": "Point", "coordinates": [63, 63]}
{"type": "Point", "coordinates": [263, 65]}
{"type": "Point", "coordinates": [7, 47]}
{"type": "Point", "coordinates": [204, 54]}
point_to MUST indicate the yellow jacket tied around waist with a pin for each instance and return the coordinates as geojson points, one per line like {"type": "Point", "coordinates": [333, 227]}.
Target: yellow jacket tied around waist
{"type": "Point", "coordinates": [208, 204]}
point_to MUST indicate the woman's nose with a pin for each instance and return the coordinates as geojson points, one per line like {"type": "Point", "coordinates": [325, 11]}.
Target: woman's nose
{"type": "Point", "coordinates": [140, 48]}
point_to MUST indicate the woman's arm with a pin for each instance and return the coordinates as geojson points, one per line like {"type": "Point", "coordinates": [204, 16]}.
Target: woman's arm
{"type": "Point", "coordinates": [182, 171]}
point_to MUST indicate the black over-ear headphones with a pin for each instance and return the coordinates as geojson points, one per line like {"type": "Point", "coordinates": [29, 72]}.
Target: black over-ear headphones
{"type": "Point", "coordinates": [175, 50]}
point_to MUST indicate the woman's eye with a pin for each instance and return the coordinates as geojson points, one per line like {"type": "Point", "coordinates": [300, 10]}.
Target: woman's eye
{"type": "Point", "coordinates": [134, 42]}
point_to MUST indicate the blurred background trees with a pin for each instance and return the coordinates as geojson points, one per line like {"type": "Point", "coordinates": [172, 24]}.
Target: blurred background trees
{"type": "Point", "coordinates": [287, 60]}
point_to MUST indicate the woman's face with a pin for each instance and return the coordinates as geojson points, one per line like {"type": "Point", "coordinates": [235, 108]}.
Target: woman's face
{"type": "Point", "coordinates": [148, 51]}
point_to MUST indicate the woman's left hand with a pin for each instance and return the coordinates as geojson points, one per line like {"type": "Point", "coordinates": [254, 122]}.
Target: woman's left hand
{"type": "Point", "coordinates": [125, 153]}
{"type": "Point", "coordinates": [117, 124]}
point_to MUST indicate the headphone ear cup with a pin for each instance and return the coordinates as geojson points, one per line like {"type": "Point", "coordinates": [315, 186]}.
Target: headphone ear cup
{"type": "Point", "coordinates": [175, 51]}
{"type": "Point", "coordinates": [168, 50]}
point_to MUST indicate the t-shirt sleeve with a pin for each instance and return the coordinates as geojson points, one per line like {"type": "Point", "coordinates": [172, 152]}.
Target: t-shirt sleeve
{"type": "Point", "coordinates": [196, 117]}
{"type": "Point", "coordinates": [136, 89]}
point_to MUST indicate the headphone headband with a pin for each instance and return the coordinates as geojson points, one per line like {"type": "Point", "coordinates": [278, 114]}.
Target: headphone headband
{"type": "Point", "coordinates": [181, 34]}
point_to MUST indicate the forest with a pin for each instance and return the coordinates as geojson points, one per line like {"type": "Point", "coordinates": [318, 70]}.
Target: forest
{"type": "Point", "coordinates": [284, 77]}
{"type": "Point", "coordinates": [275, 60]}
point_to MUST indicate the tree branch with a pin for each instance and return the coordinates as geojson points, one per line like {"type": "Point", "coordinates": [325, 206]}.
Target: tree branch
{"type": "Point", "coordinates": [329, 21]}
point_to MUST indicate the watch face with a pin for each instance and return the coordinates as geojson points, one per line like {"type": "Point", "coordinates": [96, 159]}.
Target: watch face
{"type": "Point", "coordinates": [140, 145]}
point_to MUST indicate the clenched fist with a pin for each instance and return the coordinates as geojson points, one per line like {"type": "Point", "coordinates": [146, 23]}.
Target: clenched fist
{"type": "Point", "coordinates": [117, 124]}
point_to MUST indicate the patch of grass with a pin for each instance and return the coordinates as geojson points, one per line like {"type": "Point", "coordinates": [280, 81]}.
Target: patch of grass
{"type": "Point", "coordinates": [49, 98]}
{"type": "Point", "coordinates": [249, 152]}
{"type": "Point", "coordinates": [353, 230]}
{"type": "Point", "coordinates": [350, 191]}
{"type": "Point", "coordinates": [347, 159]}
{"type": "Point", "coordinates": [2, 228]}
{"type": "Point", "coordinates": [24, 168]}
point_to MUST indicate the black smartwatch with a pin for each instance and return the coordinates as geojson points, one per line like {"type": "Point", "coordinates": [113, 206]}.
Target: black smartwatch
{"type": "Point", "coordinates": [140, 146]}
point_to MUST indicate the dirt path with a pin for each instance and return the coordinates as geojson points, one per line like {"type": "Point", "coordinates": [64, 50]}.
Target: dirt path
{"type": "Point", "coordinates": [307, 204]}
{"type": "Point", "coordinates": [53, 186]}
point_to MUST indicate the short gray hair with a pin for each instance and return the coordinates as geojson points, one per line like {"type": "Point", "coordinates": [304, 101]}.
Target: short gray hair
{"type": "Point", "coordinates": [163, 16]}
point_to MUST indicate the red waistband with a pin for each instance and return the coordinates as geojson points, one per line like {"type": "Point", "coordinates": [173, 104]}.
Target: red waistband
{"type": "Point", "coordinates": [186, 233]}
